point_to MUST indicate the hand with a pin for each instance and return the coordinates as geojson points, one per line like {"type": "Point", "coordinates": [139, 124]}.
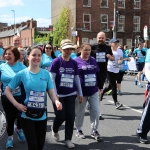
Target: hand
{"type": "Point", "coordinates": [119, 62]}
{"type": "Point", "coordinates": [136, 57]}
{"type": "Point", "coordinates": [21, 107]}
{"type": "Point", "coordinates": [108, 56]}
{"type": "Point", "coordinates": [58, 105]}
{"type": "Point", "coordinates": [80, 99]}
{"type": "Point", "coordinates": [100, 91]}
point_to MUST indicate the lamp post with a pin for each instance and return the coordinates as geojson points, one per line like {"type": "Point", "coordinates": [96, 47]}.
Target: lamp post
{"type": "Point", "coordinates": [14, 21]}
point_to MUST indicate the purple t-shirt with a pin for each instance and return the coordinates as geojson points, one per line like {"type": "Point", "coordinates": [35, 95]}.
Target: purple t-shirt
{"type": "Point", "coordinates": [65, 75]}
{"type": "Point", "coordinates": [87, 75]}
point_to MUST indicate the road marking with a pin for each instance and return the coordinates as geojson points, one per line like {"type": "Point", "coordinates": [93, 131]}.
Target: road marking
{"type": "Point", "coordinates": [139, 111]}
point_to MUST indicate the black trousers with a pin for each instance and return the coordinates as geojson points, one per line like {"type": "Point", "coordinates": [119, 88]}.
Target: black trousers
{"type": "Point", "coordinates": [112, 77]}
{"type": "Point", "coordinates": [120, 76]}
{"type": "Point", "coordinates": [144, 125]}
{"type": "Point", "coordinates": [35, 132]}
{"type": "Point", "coordinates": [67, 114]}
{"type": "Point", "coordinates": [12, 114]}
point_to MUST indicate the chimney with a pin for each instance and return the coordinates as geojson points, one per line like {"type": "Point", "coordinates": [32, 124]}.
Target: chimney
{"type": "Point", "coordinates": [23, 24]}
{"type": "Point", "coordinates": [12, 26]}
{"type": "Point", "coordinates": [4, 29]}
{"type": "Point", "coordinates": [17, 25]}
{"type": "Point", "coordinates": [33, 23]}
{"type": "Point", "coordinates": [28, 23]}
{"type": "Point", "coordinates": [9, 27]}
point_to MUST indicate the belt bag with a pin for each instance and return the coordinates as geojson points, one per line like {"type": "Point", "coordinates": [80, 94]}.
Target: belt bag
{"type": "Point", "coordinates": [35, 113]}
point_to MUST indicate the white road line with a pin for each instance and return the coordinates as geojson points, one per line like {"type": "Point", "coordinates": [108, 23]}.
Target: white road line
{"type": "Point", "coordinates": [139, 111]}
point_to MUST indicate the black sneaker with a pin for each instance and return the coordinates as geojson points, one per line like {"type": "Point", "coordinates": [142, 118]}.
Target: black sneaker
{"type": "Point", "coordinates": [118, 105]}
{"type": "Point", "coordinates": [96, 136]}
{"type": "Point", "coordinates": [80, 134]}
{"type": "Point", "coordinates": [142, 140]}
{"type": "Point", "coordinates": [101, 118]}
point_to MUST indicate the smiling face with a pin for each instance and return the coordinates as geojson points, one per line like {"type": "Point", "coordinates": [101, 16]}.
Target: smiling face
{"type": "Point", "coordinates": [9, 57]}
{"type": "Point", "coordinates": [101, 38]}
{"type": "Point", "coordinates": [48, 49]}
{"type": "Point", "coordinates": [34, 57]}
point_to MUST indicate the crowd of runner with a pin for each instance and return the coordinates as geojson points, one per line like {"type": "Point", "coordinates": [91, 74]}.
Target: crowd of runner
{"type": "Point", "coordinates": [71, 76]}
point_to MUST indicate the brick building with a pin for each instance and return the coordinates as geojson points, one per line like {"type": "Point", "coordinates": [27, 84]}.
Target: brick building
{"type": "Point", "coordinates": [24, 29]}
{"type": "Point", "coordinates": [91, 16]}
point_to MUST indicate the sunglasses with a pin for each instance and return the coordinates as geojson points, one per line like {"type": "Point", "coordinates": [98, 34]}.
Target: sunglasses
{"type": "Point", "coordinates": [48, 48]}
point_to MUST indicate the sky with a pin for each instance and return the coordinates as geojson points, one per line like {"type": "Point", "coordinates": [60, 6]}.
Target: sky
{"type": "Point", "coordinates": [39, 10]}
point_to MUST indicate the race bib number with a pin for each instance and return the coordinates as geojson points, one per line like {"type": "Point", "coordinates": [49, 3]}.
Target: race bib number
{"type": "Point", "coordinates": [67, 80]}
{"type": "Point", "coordinates": [115, 64]}
{"type": "Point", "coordinates": [2, 124]}
{"type": "Point", "coordinates": [101, 57]}
{"type": "Point", "coordinates": [90, 79]}
{"type": "Point", "coordinates": [121, 67]}
{"type": "Point", "coordinates": [36, 100]}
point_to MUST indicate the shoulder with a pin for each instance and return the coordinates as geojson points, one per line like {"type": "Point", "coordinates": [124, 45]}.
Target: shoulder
{"type": "Point", "coordinates": [93, 46]}
{"type": "Point", "coordinates": [21, 65]}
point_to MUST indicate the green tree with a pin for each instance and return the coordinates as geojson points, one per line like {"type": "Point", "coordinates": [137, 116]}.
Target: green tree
{"type": "Point", "coordinates": [61, 26]}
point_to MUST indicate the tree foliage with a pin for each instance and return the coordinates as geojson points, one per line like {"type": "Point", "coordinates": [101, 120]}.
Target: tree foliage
{"type": "Point", "coordinates": [61, 27]}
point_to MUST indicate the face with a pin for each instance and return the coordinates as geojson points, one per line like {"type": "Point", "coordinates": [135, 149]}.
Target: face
{"type": "Point", "coordinates": [140, 46]}
{"type": "Point", "coordinates": [67, 52]}
{"type": "Point", "coordinates": [85, 51]}
{"type": "Point", "coordinates": [115, 44]}
{"type": "Point", "coordinates": [35, 57]}
{"type": "Point", "coordinates": [9, 57]}
{"type": "Point", "coordinates": [16, 41]}
{"type": "Point", "coordinates": [101, 38]}
{"type": "Point", "coordinates": [21, 56]}
{"type": "Point", "coordinates": [48, 49]}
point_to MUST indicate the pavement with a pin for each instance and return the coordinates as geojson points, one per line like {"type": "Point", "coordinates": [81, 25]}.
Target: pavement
{"type": "Point", "coordinates": [118, 128]}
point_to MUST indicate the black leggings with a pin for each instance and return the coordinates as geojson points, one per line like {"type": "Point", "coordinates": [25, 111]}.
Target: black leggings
{"type": "Point", "coordinates": [120, 77]}
{"type": "Point", "coordinates": [12, 114]}
{"type": "Point", "coordinates": [35, 132]}
{"type": "Point", "coordinates": [112, 77]}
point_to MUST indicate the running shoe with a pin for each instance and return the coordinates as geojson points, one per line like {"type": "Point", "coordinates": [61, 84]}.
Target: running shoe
{"type": "Point", "coordinates": [101, 118]}
{"type": "Point", "coordinates": [96, 136]}
{"type": "Point", "coordinates": [69, 144]}
{"type": "Point", "coordinates": [20, 134]}
{"type": "Point", "coordinates": [142, 140]}
{"type": "Point", "coordinates": [80, 134]}
{"type": "Point", "coordinates": [9, 143]}
{"type": "Point", "coordinates": [118, 105]}
{"type": "Point", "coordinates": [55, 135]}
{"type": "Point", "coordinates": [119, 92]}
{"type": "Point", "coordinates": [140, 85]}
{"type": "Point", "coordinates": [135, 82]}
{"type": "Point", "coordinates": [109, 92]}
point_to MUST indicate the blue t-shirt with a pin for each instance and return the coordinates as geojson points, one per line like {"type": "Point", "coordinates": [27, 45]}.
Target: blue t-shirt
{"type": "Point", "coordinates": [141, 57]}
{"type": "Point", "coordinates": [73, 55]}
{"type": "Point", "coordinates": [7, 72]}
{"type": "Point", "coordinates": [35, 86]}
{"type": "Point", "coordinates": [1, 56]}
{"type": "Point", "coordinates": [88, 75]}
{"type": "Point", "coordinates": [65, 75]}
{"type": "Point", "coordinates": [46, 61]}
{"type": "Point", "coordinates": [123, 67]}
{"type": "Point", "coordinates": [59, 55]}
{"type": "Point", "coordinates": [57, 52]}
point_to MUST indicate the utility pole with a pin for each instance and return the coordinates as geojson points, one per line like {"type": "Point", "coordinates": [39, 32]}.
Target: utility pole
{"type": "Point", "coordinates": [114, 27]}
{"type": "Point", "coordinates": [14, 21]}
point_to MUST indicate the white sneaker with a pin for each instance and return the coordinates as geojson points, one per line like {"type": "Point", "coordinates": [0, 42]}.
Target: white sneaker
{"type": "Point", "coordinates": [55, 135]}
{"type": "Point", "coordinates": [69, 144]}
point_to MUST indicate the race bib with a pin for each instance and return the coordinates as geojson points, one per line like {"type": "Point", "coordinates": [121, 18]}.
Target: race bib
{"type": "Point", "coordinates": [36, 100]}
{"type": "Point", "coordinates": [90, 79]}
{"type": "Point", "coordinates": [121, 67]}
{"type": "Point", "coordinates": [67, 80]}
{"type": "Point", "coordinates": [101, 57]}
{"type": "Point", "coordinates": [115, 64]}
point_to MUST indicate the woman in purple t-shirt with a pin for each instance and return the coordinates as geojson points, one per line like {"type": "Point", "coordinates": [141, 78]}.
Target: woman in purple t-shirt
{"type": "Point", "coordinates": [64, 72]}
{"type": "Point", "coordinates": [90, 83]}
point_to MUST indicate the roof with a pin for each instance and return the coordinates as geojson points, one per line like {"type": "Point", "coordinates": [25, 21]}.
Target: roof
{"type": "Point", "coordinates": [10, 32]}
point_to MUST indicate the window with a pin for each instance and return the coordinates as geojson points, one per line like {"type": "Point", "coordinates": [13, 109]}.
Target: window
{"type": "Point", "coordinates": [137, 4]}
{"type": "Point", "coordinates": [104, 3]}
{"type": "Point", "coordinates": [87, 22]}
{"type": "Point", "coordinates": [86, 3]}
{"type": "Point", "coordinates": [121, 23]}
{"type": "Point", "coordinates": [136, 23]}
{"type": "Point", "coordinates": [120, 41]}
{"type": "Point", "coordinates": [121, 3]}
{"type": "Point", "coordinates": [104, 22]}
{"type": "Point", "coordinates": [129, 43]}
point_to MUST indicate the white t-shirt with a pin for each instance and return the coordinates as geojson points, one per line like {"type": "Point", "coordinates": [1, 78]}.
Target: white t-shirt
{"type": "Point", "coordinates": [113, 66]}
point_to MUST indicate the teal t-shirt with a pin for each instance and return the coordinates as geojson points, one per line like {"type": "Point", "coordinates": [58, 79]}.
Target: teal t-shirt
{"type": "Point", "coordinates": [57, 52]}
{"type": "Point", "coordinates": [7, 72]}
{"type": "Point", "coordinates": [35, 87]}
{"type": "Point", "coordinates": [1, 56]}
{"type": "Point", "coordinates": [46, 61]}
{"type": "Point", "coordinates": [123, 66]}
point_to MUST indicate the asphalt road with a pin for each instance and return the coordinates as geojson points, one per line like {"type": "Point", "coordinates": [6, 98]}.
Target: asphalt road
{"type": "Point", "coordinates": [117, 129]}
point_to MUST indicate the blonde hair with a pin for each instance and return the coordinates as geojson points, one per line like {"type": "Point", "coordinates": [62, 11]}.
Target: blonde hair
{"type": "Point", "coordinates": [65, 41]}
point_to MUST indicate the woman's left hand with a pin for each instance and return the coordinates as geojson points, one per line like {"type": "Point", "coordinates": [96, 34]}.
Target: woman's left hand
{"type": "Point", "coordinates": [80, 99]}
{"type": "Point", "coordinates": [58, 105]}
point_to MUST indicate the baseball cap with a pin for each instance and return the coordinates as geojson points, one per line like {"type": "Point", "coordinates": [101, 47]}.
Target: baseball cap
{"type": "Point", "coordinates": [67, 45]}
{"type": "Point", "coordinates": [114, 41]}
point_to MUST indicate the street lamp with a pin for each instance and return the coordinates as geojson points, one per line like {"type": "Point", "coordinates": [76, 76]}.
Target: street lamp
{"type": "Point", "coordinates": [14, 21]}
